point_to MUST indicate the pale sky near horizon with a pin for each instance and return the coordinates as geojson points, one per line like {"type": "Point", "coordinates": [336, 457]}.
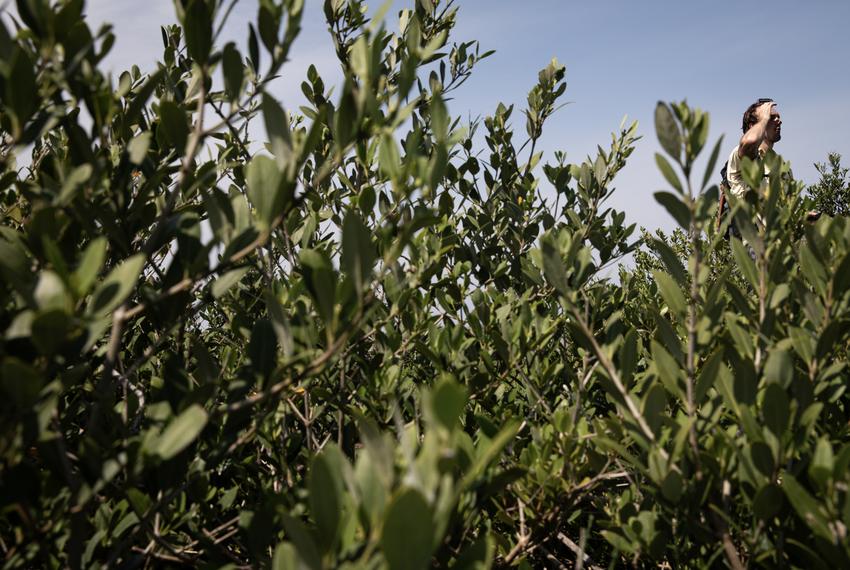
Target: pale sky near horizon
{"type": "Point", "coordinates": [621, 58]}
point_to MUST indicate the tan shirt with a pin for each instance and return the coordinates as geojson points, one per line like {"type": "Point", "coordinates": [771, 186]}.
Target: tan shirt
{"type": "Point", "coordinates": [733, 173]}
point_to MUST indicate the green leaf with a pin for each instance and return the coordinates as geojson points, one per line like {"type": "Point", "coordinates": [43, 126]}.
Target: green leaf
{"type": "Point", "coordinates": [671, 261]}
{"type": "Point", "coordinates": [618, 541]}
{"type": "Point", "coordinates": [708, 375]}
{"type": "Point", "coordinates": [280, 323]}
{"type": "Point", "coordinates": [359, 56]}
{"type": "Point", "coordinates": [268, 23]}
{"type": "Point", "coordinates": [265, 190]}
{"type": "Point", "coordinates": [21, 90]}
{"type": "Point", "coordinates": [668, 172]}
{"type": "Point", "coordinates": [807, 507]}
{"type": "Point", "coordinates": [655, 406]}
{"type": "Point", "coordinates": [321, 282]}
{"type": "Point", "coordinates": [326, 495]}
{"type": "Point", "coordinates": [366, 201]}
{"type": "Point", "coordinates": [277, 128]}
{"type": "Point", "coordinates": [813, 269]}
{"type": "Point", "coordinates": [345, 119]}
{"type": "Point", "coordinates": [117, 286]}
{"type": "Point", "coordinates": [49, 329]}
{"type": "Point", "coordinates": [492, 451]}
{"type": "Point", "coordinates": [181, 432]}
{"type": "Point", "coordinates": [448, 399]}
{"type": "Point", "coordinates": [253, 47]}
{"type": "Point", "coordinates": [198, 29]}
{"type": "Point", "coordinates": [223, 284]}
{"type": "Point", "coordinates": [668, 368]}
{"type": "Point", "coordinates": [408, 532]}
{"type": "Point", "coordinates": [439, 119]}
{"type": "Point", "coordinates": [629, 356]}
{"type": "Point", "coordinates": [75, 180]}
{"type": "Point", "coordinates": [553, 266]}
{"type": "Point", "coordinates": [141, 97]}
{"type": "Point", "coordinates": [671, 292]}
{"type": "Point", "coordinates": [803, 343]}
{"type": "Point", "coordinates": [779, 368]}
{"type": "Point", "coordinates": [51, 292]}
{"type": "Point", "coordinates": [478, 555]}
{"type": "Point", "coordinates": [672, 486]}
{"type": "Point", "coordinates": [173, 126]}
{"type": "Point", "coordinates": [842, 460]}
{"type": "Point", "coordinates": [262, 350]}
{"type": "Point", "coordinates": [744, 261]}
{"type": "Point", "coordinates": [760, 454]}
{"type": "Point", "coordinates": [841, 278]}
{"type": "Point", "coordinates": [130, 520]}
{"type": "Point", "coordinates": [308, 555]}
{"type": "Point", "coordinates": [388, 157]}
{"type": "Point", "coordinates": [675, 207]}
{"type": "Point", "coordinates": [823, 462]}
{"type": "Point", "coordinates": [768, 502]}
{"type": "Point", "coordinates": [233, 71]}
{"type": "Point", "coordinates": [207, 368]}
{"type": "Point", "coordinates": [358, 252]}
{"type": "Point", "coordinates": [21, 326]}
{"type": "Point", "coordinates": [437, 166]}
{"type": "Point", "coordinates": [137, 149]}
{"type": "Point", "coordinates": [698, 134]}
{"type": "Point", "coordinates": [668, 131]}
{"type": "Point", "coordinates": [15, 262]}
{"type": "Point", "coordinates": [748, 230]}
{"type": "Point", "coordinates": [776, 409]}
{"type": "Point", "coordinates": [752, 171]}
{"type": "Point", "coordinates": [286, 557]}
{"type": "Point", "coordinates": [91, 546]}
{"type": "Point", "coordinates": [20, 382]}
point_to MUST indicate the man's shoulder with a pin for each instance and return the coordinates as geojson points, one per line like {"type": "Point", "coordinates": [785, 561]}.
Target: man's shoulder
{"type": "Point", "coordinates": [734, 158]}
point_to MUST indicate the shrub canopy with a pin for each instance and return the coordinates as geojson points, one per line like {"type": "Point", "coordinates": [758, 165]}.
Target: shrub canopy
{"type": "Point", "coordinates": [375, 342]}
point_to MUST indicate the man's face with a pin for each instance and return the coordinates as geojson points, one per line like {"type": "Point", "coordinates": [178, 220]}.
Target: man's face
{"type": "Point", "coordinates": [774, 126]}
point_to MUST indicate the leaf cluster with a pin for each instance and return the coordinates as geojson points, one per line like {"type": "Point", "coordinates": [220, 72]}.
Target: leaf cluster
{"type": "Point", "coordinates": [371, 340]}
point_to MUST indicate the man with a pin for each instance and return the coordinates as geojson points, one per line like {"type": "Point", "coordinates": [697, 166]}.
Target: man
{"type": "Point", "coordinates": [762, 128]}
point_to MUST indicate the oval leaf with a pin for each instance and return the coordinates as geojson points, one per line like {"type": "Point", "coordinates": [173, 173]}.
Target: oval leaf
{"type": "Point", "coordinates": [117, 286]}
{"type": "Point", "coordinates": [408, 532]}
{"type": "Point", "coordinates": [668, 131]}
{"type": "Point", "coordinates": [181, 432]}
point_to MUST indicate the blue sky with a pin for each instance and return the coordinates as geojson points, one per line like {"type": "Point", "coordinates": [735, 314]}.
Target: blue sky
{"type": "Point", "coordinates": [621, 58]}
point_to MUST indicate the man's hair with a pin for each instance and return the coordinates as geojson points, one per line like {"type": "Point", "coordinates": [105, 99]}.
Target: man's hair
{"type": "Point", "coordinates": [750, 117]}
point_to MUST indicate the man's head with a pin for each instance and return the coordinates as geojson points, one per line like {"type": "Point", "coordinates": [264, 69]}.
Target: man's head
{"type": "Point", "coordinates": [774, 126]}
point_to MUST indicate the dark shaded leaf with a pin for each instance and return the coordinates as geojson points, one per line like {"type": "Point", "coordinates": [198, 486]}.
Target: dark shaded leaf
{"type": "Point", "coordinates": [668, 131]}
{"type": "Point", "coordinates": [197, 27]}
{"type": "Point", "coordinates": [117, 286]}
{"type": "Point", "coordinates": [326, 495]}
{"type": "Point", "coordinates": [181, 432]}
{"type": "Point", "coordinates": [233, 71]}
{"type": "Point", "coordinates": [277, 127]}
{"type": "Point", "coordinates": [358, 252]}
{"type": "Point", "coordinates": [265, 189]}
{"type": "Point", "coordinates": [408, 532]}
{"type": "Point", "coordinates": [675, 207]}
{"type": "Point", "coordinates": [173, 126]}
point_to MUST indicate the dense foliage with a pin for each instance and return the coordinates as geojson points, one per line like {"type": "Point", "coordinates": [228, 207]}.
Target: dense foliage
{"type": "Point", "coordinates": [831, 194]}
{"type": "Point", "coordinates": [374, 343]}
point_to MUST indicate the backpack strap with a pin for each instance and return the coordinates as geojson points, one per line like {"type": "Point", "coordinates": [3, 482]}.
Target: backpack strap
{"type": "Point", "coordinates": [724, 186]}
